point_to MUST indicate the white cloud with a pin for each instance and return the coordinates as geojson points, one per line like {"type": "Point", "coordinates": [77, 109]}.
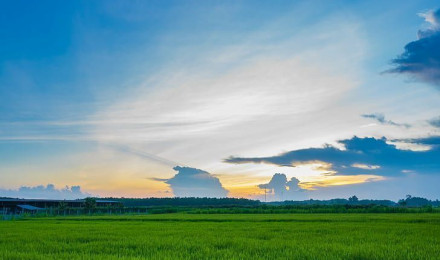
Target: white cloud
{"type": "Point", "coordinates": [365, 166]}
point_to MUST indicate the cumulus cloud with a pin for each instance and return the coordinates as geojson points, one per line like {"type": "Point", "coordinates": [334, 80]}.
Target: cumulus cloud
{"type": "Point", "coordinates": [45, 192]}
{"type": "Point", "coordinates": [421, 58]}
{"type": "Point", "coordinates": [376, 156]}
{"type": "Point", "coordinates": [192, 182]}
{"type": "Point", "coordinates": [382, 120]}
{"type": "Point", "coordinates": [279, 188]}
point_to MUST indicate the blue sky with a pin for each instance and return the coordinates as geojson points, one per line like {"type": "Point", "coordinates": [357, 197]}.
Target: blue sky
{"type": "Point", "coordinates": [111, 96]}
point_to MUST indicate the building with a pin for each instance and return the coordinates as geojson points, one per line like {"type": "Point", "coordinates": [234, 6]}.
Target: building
{"type": "Point", "coordinates": [34, 205]}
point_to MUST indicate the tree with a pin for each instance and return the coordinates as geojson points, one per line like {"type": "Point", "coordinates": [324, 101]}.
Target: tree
{"type": "Point", "coordinates": [62, 206]}
{"type": "Point", "coordinates": [353, 199]}
{"type": "Point", "coordinates": [90, 203]}
{"type": "Point", "coordinates": [402, 202]}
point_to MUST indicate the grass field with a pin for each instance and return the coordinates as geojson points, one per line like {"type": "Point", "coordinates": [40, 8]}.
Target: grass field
{"type": "Point", "coordinates": [187, 236]}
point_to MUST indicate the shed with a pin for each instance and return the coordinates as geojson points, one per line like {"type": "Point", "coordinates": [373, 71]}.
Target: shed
{"type": "Point", "coordinates": [29, 208]}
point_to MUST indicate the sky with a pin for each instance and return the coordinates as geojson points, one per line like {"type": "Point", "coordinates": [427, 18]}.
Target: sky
{"type": "Point", "coordinates": [279, 100]}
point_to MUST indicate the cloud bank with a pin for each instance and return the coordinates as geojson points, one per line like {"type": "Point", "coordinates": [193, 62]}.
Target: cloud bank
{"type": "Point", "coordinates": [45, 192]}
{"type": "Point", "coordinates": [421, 58]}
{"type": "Point", "coordinates": [280, 189]}
{"type": "Point", "coordinates": [192, 182]}
{"type": "Point", "coordinates": [361, 156]}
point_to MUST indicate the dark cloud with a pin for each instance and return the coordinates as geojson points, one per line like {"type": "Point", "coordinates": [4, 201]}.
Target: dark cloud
{"type": "Point", "coordinates": [421, 58]}
{"type": "Point", "coordinates": [381, 119]}
{"type": "Point", "coordinates": [435, 122]}
{"type": "Point", "coordinates": [45, 192]}
{"type": "Point", "coordinates": [362, 156]}
{"type": "Point", "coordinates": [192, 182]}
{"type": "Point", "coordinates": [280, 189]}
{"type": "Point", "coordinates": [433, 141]}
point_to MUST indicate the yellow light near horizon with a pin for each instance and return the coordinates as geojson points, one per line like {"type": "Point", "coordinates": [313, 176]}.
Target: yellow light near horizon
{"type": "Point", "coordinates": [249, 192]}
{"type": "Point", "coordinates": [311, 174]}
{"type": "Point", "coordinates": [339, 180]}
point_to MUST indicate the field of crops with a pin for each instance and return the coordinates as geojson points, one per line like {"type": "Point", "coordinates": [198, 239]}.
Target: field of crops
{"type": "Point", "coordinates": [240, 236]}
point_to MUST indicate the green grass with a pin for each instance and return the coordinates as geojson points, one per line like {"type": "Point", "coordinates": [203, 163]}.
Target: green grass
{"type": "Point", "coordinates": [187, 236]}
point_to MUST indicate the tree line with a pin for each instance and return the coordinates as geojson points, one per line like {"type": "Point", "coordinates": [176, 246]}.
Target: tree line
{"type": "Point", "coordinates": [409, 201]}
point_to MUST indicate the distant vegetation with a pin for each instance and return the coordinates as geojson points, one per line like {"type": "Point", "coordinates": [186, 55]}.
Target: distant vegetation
{"type": "Point", "coordinates": [235, 206]}
{"type": "Point", "coordinates": [146, 202]}
{"type": "Point", "coordinates": [409, 201]}
{"type": "Point", "coordinates": [418, 202]}
{"type": "Point", "coordinates": [246, 206]}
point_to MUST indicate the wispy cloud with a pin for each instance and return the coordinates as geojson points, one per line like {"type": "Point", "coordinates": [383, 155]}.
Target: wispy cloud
{"type": "Point", "coordinates": [264, 73]}
{"type": "Point", "coordinates": [142, 154]}
{"type": "Point", "coordinates": [381, 119]}
{"type": "Point", "coordinates": [274, 85]}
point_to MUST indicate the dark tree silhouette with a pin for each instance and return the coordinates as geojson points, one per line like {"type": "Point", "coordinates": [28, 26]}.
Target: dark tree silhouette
{"type": "Point", "coordinates": [90, 203]}
{"type": "Point", "coordinates": [353, 199]}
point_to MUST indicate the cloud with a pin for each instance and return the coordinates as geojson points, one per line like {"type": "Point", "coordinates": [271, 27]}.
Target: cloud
{"type": "Point", "coordinates": [281, 189]}
{"type": "Point", "coordinates": [273, 78]}
{"type": "Point", "coordinates": [365, 167]}
{"type": "Point", "coordinates": [435, 122]}
{"type": "Point", "coordinates": [381, 119]}
{"type": "Point", "coordinates": [421, 58]}
{"type": "Point", "coordinates": [45, 192]}
{"type": "Point", "coordinates": [432, 141]}
{"type": "Point", "coordinates": [142, 154]}
{"type": "Point", "coordinates": [376, 156]}
{"type": "Point", "coordinates": [192, 182]}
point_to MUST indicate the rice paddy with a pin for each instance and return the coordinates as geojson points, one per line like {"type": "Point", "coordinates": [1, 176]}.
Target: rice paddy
{"type": "Point", "coordinates": [225, 236]}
